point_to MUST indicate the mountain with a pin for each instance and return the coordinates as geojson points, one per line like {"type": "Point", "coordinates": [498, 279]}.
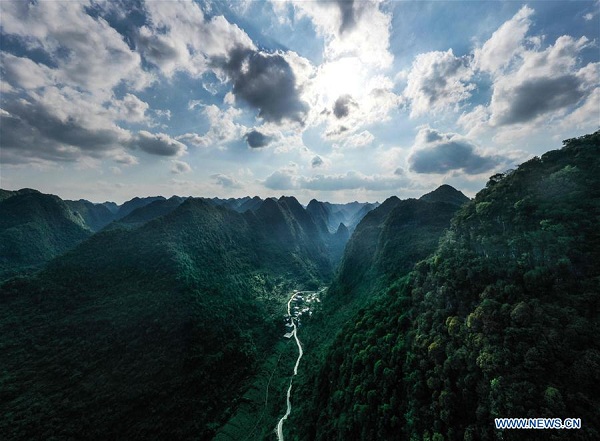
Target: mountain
{"type": "Point", "coordinates": [95, 216]}
{"type": "Point", "coordinates": [145, 213]}
{"type": "Point", "coordinates": [320, 214]}
{"type": "Point", "coordinates": [153, 331]}
{"type": "Point", "coordinates": [358, 216]}
{"type": "Point", "coordinates": [446, 193]}
{"type": "Point", "coordinates": [500, 321]}
{"type": "Point", "coordinates": [250, 204]}
{"type": "Point", "coordinates": [34, 228]}
{"type": "Point", "coordinates": [112, 207]}
{"type": "Point", "coordinates": [331, 215]}
{"type": "Point", "coordinates": [135, 203]}
{"type": "Point", "coordinates": [285, 227]}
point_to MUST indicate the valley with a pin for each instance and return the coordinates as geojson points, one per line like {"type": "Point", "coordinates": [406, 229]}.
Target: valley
{"type": "Point", "coordinates": [260, 319]}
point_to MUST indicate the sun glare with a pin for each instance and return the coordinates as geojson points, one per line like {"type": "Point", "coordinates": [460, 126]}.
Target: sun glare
{"type": "Point", "coordinates": [345, 76]}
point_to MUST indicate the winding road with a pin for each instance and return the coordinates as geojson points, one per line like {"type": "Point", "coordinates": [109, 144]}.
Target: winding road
{"type": "Point", "coordinates": [279, 428]}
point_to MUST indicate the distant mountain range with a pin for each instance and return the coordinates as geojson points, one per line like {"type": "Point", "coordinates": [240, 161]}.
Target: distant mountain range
{"type": "Point", "coordinates": [162, 318]}
{"type": "Point", "coordinates": [133, 280]}
{"type": "Point", "coordinates": [37, 227]}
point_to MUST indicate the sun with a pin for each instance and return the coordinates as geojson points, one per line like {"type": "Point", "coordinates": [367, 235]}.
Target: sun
{"type": "Point", "coordinates": [345, 76]}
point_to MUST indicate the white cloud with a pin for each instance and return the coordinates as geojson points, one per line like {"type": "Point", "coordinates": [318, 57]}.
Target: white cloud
{"type": "Point", "coordinates": [226, 181]}
{"type": "Point", "coordinates": [125, 158]}
{"type": "Point", "coordinates": [178, 167]}
{"type": "Point", "coordinates": [545, 83]}
{"type": "Point", "coordinates": [158, 144]}
{"type": "Point", "coordinates": [289, 179]}
{"type": "Point", "coordinates": [179, 37]}
{"type": "Point", "coordinates": [356, 62]}
{"type": "Point", "coordinates": [505, 43]}
{"type": "Point", "coordinates": [356, 29]}
{"type": "Point", "coordinates": [132, 109]}
{"type": "Point", "coordinates": [88, 52]}
{"type": "Point", "coordinates": [358, 140]}
{"type": "Point", "coordinates": [438, 81]}
{"type": "Point", "coordinates": [25, 73]}
{"type": "Point", "coordinates": [222, 129]}
{"type": "Point", "coordinates": [534, 89]}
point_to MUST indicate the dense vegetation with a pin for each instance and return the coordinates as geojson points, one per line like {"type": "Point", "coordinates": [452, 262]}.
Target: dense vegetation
{"type": "Point", "coordinates": [35, 228]}
{"type": "Point", "coordinates": [444, 313]}
{"type": "Point", "coordinates": [501, 321]}
{"type": "Point", "coordinates": [150, 332]}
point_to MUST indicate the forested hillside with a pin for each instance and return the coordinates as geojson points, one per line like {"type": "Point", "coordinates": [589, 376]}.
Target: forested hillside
{"type": "Point", "coordinates": [501, 321]}
{"type": "Point", "coordinates": [151, 332]}
{"type": "Point", "coordinates": [35, 228]}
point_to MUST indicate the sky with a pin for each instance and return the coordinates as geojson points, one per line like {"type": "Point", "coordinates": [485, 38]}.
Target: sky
{"type": "Point", "coordinates": [334, 100]}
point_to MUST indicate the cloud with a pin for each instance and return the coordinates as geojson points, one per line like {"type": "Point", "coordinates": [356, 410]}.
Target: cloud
{"type": "Point", "coordinates": [532, 88]}
{"type": "Point", "coordinates": [351, 28]}
{"type": "Point", "coordinates": [266, 82]}
{"type": "Point", "coordinates": [341, 107]}
{"type": "Point", "coordinates": [25, 73]}
{"type": "Point", "coordinates": [178, 37]}
{"type": "Point", "coordinates": [132, 109]}
{"type": "Point", "coordinates": [157, 144]}
{"type": "Point", "coordinates": [194, 139]}
{"type": "Point", "coordinates": [125, 158]}
{"type": "Point", "coordinates": [352, 180]}
{"type": "Point", "coordinates": [286, 179]}
{"type": "Point", "coordinates": [505, 43]}
{"type": "Point", "coordinates": [358, 140]}
{"type": "Point", "coordinates": [436, 152]}
{"type": "Point", "coordinates": [438, 81]}
{"type": "Point", "coordinates": [87, 52]}
{"type": "Point", "coordinates": [348, 20]}
{"type": "Point", "coordinates": [179, 167]}
{"type": "Point", "coordinates": [533, 97]}
{"type": "Point", "coordinates": [317, 161]}
{"type": "Point", "coordinates": [64, 109]}
{"type": "Point", "coordinates": [226, 181]}
{"type": "Point", "coordinates": [256, 139]}
{"type": "Point", "coordinates": [223, 127]}
{"type": "Point", "coordinates": [58, 125]}
{"type": "Point", "coordinates": [546, 82]}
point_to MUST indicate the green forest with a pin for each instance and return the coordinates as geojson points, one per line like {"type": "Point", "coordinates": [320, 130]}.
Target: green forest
{"type": "Point", "coordinates": [163, 318]}
{"type": "Point", "coordinates": [499, 321]}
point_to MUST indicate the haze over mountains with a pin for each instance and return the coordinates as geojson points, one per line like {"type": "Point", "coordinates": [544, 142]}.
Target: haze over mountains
{"type": "Point", "coordinates": [163, 318]}
{"type": "Point", "coordinates": [27, 215]}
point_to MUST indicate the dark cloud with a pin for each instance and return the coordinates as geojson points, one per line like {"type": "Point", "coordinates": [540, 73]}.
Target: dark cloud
{"type": "Point", "coordinates": [32, 130]}
{"type": "Point", "coordinates": [157, 144]}
{"type": "Point", "coordinates": [341, 107]}
{"type": "Point", "coordinates": [537, 96]}
{"type": "Point", "coordinates": [266, 82]}
{"type": "Point", "coordinates": [256, 139]}
{"type": "Point", "coordinates": [447, 152]}
{"type": "Point", "coordinates": [348, 15]}
{"type": "Point", "coordinates": [317, 161]}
